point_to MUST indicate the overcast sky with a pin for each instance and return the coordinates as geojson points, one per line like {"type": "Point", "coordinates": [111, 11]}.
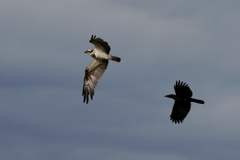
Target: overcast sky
{"type": "Point", "coordinates": [42, 63]}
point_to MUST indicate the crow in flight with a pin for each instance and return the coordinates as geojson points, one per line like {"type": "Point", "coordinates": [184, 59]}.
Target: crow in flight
{"type": "Point", "coordinates": [182, 104]}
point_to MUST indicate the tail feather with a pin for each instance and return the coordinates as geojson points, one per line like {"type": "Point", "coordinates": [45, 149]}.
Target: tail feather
{"type": "Point", "coordinates": [197, 101]}
{"type": "Point", "coordinates": [116, 59]}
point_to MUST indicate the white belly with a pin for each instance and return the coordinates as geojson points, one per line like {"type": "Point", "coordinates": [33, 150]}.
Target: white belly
{"type": "Point", "coordinates": [102, 55]}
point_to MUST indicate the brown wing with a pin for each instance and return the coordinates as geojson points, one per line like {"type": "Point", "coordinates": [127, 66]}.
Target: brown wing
{"type": "Point", "coordinates": [100, 44]}
{"type": "Point", "coordinates": [92, 74]}
{"type": "Point", "coordinates": [182, 90]}
{"type": "Point", "coordinates": [180, 111]}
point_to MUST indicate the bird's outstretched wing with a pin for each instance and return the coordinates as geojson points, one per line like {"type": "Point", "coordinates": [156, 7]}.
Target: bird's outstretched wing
{"type": "Point", "coordinates": [100, 44]}
{"type": "Point", "coordinates": [92, 74]}
{"type": "Point", "coordinates": [180, 111]}
{"type": "Point", "coordinates": [182, 89]}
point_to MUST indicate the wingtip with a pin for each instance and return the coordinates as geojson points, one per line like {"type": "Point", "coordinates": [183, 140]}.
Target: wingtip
{"type": "Point", "coordinates": [180, 83]}
{"type": "Point", "coordinates": [92, 37]}
{"type": "Point", "coordinates": [176, 121]}
{"type": "Point", "coordinates": [85, 99]}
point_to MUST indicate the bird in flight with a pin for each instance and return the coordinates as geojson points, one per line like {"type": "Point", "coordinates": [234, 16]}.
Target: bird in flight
{"type": "Point", "coordinates": [182, 104]}
{"type": "Point", "coordinates": [94, 71]}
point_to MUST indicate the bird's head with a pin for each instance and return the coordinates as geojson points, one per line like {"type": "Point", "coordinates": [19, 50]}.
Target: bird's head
{"type": "Point", "coordinates": [88, 51]}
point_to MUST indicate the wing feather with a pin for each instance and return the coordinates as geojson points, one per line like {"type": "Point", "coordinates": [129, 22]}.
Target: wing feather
{"type": "Point", "coordinates": [182, 90]}
{"type": "Point", "coordinates": [92, 74]}
{"type": "Point", "coordinates": [180, 111]}
{"type": "Point", "coordinates": [100, 44]}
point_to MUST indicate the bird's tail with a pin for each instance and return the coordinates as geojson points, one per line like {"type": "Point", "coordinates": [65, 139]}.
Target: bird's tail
{"type": "Point", "coordinates": [197, 101]}
{"type": "Point", "coordinates": [116, 59]}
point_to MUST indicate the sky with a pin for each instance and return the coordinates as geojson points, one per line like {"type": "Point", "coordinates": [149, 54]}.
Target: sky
{"type": "Point", "coordinates": [42, 63]}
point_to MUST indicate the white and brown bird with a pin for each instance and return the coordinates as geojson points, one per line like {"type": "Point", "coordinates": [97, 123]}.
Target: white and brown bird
{"type": "Point", "coordinates": [95, 70]}
{"type": "Point", "coordinates": [182, 104]}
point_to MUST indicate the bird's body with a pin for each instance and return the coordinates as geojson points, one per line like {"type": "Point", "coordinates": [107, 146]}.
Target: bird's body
{"type": "Point", "coordinates": [182, 104]}
{"type": "Point", "coordinates": [95, 70]}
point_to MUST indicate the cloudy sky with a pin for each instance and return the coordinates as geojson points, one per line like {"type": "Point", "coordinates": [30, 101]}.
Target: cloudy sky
{"type": "Point", "coordinates": [42, 65]}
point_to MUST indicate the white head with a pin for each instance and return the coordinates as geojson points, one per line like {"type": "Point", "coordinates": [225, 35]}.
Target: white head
{"type": "Point", "coordinates": [88, 51]}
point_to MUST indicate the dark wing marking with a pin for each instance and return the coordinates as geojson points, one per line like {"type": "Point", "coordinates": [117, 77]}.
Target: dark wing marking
{"type": "Point", "coordinates": [100, 44]}
{"type": "Point", "coordinates": [182, 89]}
{"type": "Point", "coordinates": [180, 111]}
{"type": "Point", "coordinates": [92, 74]}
